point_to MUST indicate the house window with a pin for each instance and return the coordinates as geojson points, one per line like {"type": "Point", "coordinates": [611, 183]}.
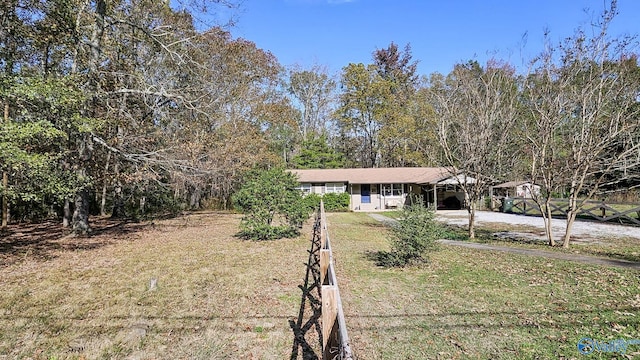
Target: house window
{"type": "Point", "coordinates": [334, 188]}
{"type": "Point", "coordinates": [305, 188]}
{"type": "Point", "coordinates": [392, 189]}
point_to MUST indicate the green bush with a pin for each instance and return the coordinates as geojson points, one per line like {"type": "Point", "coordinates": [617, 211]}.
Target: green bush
{"type": "Point", "coordinates": [272, 205]}
{"type": "Point", "coordinates": [261, 231]}
{"type": "Point", "coordinates": [312, 201]}
{"type": "Point", "coordinates": [336, 202]}
{"type": "Point", "coordinates": [415, 232]}
{"type": "Point", "coordinates": [332, 202]}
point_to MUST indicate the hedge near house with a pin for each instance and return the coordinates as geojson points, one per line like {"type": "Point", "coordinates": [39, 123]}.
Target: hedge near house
{"type": "Point", "coordinates": [332, 202]}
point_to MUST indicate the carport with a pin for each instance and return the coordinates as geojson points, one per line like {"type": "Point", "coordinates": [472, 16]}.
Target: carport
{"type": "Point", "coordinates": [447, 193]}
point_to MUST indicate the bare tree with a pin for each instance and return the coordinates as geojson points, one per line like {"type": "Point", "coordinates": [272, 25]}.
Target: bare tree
{"type": "Point", "coordinates": [583, 102]}
{"type": "Point", "coordinates": [474, 107]}
{"type": "Point", "coordinates": [314, 90]}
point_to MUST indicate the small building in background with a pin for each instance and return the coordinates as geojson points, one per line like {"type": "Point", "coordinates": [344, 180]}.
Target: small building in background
{"type": "Point", "coordinates": [523, 189]}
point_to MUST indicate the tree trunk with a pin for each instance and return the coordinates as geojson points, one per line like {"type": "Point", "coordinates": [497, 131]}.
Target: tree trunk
{"type": "Point", "coordinates": [103, 201]}
{"type": "Point", "coordinates": [571, 218]}
{"type": "Point", "coordinates": [5, 202]}
{"type": "Point", "coordinates": [572, 211]}
{"type": "Point", "coordinates": [194, 202]}
{"type": "Point", "coordinates": [118, 211]}
{"type": "Point", "coordinates": [143, 201]}
{"type": "Point", "coordinates": [546, 216]}
{"type": "Point", "coordinates": [472, 220]}
{"type": "Point", "coordinates": [81, 212]}
{"type": "Point", "coordinates": [80, 219]}
{"type": "Point", "coordinates": [66, 216]}
{"type": "Point", "coordinates": [5, 181]}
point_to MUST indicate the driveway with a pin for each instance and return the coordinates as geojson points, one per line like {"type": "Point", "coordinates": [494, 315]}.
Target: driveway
{"type": "Point", "coordinates": [584, 230]}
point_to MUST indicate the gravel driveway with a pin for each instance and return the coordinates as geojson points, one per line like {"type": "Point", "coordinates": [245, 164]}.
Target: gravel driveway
{"type": "Point", "coordinates": [584, 230]}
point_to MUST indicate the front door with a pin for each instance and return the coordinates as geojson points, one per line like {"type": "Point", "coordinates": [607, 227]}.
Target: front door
{"type": "Point", "coordinates": [365, 193]}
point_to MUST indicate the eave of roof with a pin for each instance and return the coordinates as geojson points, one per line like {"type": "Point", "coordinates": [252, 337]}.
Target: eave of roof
{"type": "Point", "coordinates": [511, 184]}
{"type": "Point", "coordinates": [402, 175]}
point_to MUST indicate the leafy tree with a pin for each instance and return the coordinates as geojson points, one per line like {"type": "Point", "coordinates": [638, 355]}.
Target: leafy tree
{"type": "Point", "coordinates": [39, 140]}
{"type": "Point", "coordinates": [363, 104]}
{"type": "Point", "coordinates": [168, 98]}
{"type": "Point", "coordinates": [272, 205]}
{"type": "Point", "coordinates": [314, 91]}
{"type": "Point", "coordinates": [382, 119]}
{"type": "Point", "coordinates": [315, 153]}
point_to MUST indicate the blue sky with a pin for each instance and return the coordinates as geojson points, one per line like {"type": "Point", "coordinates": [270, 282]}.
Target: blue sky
{"type": "Point", "coordinates": [335, 33]}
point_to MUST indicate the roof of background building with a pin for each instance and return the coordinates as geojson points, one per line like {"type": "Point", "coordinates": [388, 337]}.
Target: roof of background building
{"type": "Point", "coordinates": [402, 175]}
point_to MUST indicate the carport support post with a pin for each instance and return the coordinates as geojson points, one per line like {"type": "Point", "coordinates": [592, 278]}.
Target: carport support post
{"type": "Point", "coordinates": [435, 198]}
{"type": "Point", "coordinates": [492, 203]}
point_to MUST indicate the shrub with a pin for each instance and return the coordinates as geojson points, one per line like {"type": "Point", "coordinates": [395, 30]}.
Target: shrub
{"type": "Point", "coordinates": [272, 205]}
{"type": "Point", "coordinates": [332, 202]}
{"type": "Point", "coordinates": [415, 232]}
{"type": "Point", "coordinates": [312, 201]}
{"type": "Point", "coordinates": [336, 202]}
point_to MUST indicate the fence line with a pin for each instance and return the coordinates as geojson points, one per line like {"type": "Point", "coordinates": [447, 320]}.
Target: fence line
{"type": "Point", "coordinates": [594, 209]}
{"type": "Point", "coordinates": [321, 294]}
{"type": "Point", "coordinates": [335, 339]}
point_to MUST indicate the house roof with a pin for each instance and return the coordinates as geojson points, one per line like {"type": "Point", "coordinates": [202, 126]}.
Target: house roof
{"type": "Point", "coordinates": [402, 175]}
{"type": "Point", "coordinates": [458, 179]}
{"type": "Point", "coordinates": [511, 184]}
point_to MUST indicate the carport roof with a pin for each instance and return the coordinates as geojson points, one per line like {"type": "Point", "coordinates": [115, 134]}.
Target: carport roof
{"type": "Point", "coordinates": [400, 175]}
{"type": "Point", "coordinates": [511, 184]}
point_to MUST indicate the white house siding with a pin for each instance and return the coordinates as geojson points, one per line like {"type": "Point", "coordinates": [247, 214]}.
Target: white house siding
{"type": "Point", "coordinates": [378, 200]}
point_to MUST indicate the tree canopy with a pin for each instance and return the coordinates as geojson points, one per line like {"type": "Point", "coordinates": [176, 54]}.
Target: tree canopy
{"type": "Point", "coordinates": [126, 108]}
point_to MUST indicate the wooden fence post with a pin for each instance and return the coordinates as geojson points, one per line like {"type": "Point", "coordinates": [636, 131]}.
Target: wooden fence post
{"type": "Point", "coordinates": [325, 259]}
{"type": "Point", "coordinates": [329, 316]}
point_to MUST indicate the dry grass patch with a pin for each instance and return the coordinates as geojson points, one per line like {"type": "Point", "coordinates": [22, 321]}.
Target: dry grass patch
{"type": "Point", "coordinates": [213, 296]}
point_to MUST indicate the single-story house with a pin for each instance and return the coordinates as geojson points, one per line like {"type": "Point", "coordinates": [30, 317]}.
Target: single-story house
{"type": "Point", "coordinates": [374, 189]}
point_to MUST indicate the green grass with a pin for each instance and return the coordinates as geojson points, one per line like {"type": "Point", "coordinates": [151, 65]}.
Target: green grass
{"type": "Point", "coordinates": [477, 304]}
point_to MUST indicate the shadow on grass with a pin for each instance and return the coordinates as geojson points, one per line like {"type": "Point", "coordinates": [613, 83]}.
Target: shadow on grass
{"type": "Point", "coordinates": [528, 318]}
{"type": "Point", "coordinates": [46, 240]}
{"type": "Point", "coordinates": [506, 238]}
{"type": "Point", "coordinates": [380, 258]}
{"type": "Point", "coordinates": [619, 255]}
{"type": "Point", "coordinates": [307, 329]}
{"type": "Point", "coordinates": [372, 224]}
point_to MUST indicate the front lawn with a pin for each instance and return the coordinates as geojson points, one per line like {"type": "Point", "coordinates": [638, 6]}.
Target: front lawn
{"type": "Point", "coordinates": [477, 304]}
